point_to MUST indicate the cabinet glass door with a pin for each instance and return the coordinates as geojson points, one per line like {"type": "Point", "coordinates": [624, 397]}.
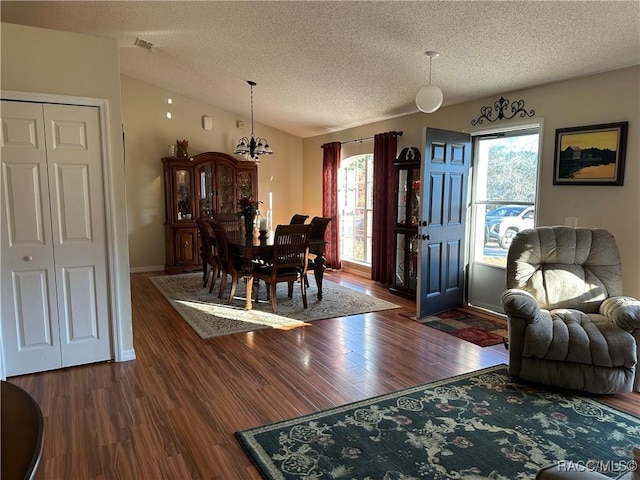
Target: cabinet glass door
{"type": "Point", "coordinates": [406, 226]}
{"type": "Point", "coordinates": [183, 194]}
{"type": "Point", "coordinates": [206, 193]}
{"type": "Point", "coordinates": [401, 182]}
{"type": "Point", "coordinates": [406, 262]}
{"type": "Point", "coordinates": [226, 193]}
{"type": "Point", "coordinates": [408, 196]}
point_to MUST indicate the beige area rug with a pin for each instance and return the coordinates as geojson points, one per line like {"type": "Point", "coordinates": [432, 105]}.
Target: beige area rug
{"type": "Point", "coordinates": [210, 316]}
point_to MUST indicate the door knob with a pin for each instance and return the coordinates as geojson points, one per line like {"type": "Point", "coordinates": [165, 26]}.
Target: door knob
{"type": "Point", "coordinates": [28, 258]}
{"type": "Point", "coordinates": [426, 237]}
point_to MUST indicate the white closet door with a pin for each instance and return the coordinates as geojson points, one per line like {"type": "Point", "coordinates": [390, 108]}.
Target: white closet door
{"type": "Point", "coordinates": [74, 153]}
{"type": "Point", "coordinates": [29, 308]}
{"type": "Point", "coordinates": [54, 275]}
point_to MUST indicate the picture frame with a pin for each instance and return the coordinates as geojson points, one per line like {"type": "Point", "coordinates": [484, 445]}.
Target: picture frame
{"type": "Point", "coordinates": [590, 155]}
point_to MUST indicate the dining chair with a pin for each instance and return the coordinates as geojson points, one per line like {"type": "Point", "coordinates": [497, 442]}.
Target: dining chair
{"type": "Point", "coordinates": [298, 219]}
{"type": "Point", "coordinates": [319, 227]}
{"type": "Point", "coordinates": [229, 221]}
{"type": "Point", "coordinates": [289, 262]}
{"type": "Point", "coordinates": [318, 231]}
{"type": "Point", "coordinates": [207, 253]}
{"type": "Point", "coordinates": [228, 263]}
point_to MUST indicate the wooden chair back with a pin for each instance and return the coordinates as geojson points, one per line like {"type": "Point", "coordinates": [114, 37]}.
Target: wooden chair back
{"type": "Point", "coordinates": [206, 246]}
{"type": "Point", "coordinates": [207, 253]}
{"type": "Point", "coordinates": [229, 221]}
{"type": "Point", "coordinates": [298, 219]}
{"type": "Point", "coordinates": [291, 248]}
{"type": "Point", "coordinates": [319, 227]}
{"type": "Point", "coordinates": [289, 262]}
{"type": "Point", "coordinates": [222, 245]}
{"type": "Point", "coordinates": [225, 260]}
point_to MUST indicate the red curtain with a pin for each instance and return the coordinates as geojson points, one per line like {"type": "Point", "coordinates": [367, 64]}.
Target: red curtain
{"type": "Point", "coordinates": [385, 149]}
{"type": "Point", "coordinates": [330, 165]}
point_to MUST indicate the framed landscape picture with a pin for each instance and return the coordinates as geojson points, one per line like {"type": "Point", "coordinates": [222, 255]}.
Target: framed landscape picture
{"type": "Point", "coordinates": [590, 155]}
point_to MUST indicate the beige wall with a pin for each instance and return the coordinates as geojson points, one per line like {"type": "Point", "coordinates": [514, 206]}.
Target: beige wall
{"type": "Point", "coordinates": [37, 60]}
{"type": "Point", "coordinates": [47, 61]}
{"type": "Point", "coordinates": [148, 132]}
{"type": "Point", "coordinates": [603, 98]}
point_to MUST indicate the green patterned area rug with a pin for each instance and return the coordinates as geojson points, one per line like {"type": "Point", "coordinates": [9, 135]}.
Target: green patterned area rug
{"type": "Point", "coordinates": [478, 425]}
{"type": "Point", "coordinates": [210, 316]}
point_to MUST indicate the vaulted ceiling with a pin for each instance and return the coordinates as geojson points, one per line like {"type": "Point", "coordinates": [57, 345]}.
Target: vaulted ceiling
{"type": "Point", "coordinates": [322, 66]}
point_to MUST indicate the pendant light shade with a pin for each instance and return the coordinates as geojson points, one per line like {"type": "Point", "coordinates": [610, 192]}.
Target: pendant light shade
{"type": "Point", "coordinates": [429, 98]}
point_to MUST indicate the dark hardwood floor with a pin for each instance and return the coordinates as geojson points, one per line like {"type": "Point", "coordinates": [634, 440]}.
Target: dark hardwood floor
{"type": "Point", "coordinates": [172, 412]}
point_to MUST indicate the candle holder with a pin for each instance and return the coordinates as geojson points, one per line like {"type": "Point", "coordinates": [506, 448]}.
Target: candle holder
{"type": "Point", "coordinates": [264, 226]}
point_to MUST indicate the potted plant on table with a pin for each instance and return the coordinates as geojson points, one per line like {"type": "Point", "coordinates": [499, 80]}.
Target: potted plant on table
{"type": "Point", "coordinates": [249, 208]}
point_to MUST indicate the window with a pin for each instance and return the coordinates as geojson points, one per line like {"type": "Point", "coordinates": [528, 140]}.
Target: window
{"type": "Point", "coordinates": [505, 191]}
{"type": "Point", "coordinates": [505, 178]}
{"type": "Point", "coordinates": [355, 200]}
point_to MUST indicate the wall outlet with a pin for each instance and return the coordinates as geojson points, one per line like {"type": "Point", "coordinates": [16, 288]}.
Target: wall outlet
{"type": "Point", "coordinates": [571, 221]}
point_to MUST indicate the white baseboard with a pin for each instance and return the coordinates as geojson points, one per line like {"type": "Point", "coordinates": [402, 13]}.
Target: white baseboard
{"type": "Point", "coordinates": [146, 269]}
{"type": "Point", "coordinates": [355, 271]}
{"type": "Point", "coordinates": [126, 356]}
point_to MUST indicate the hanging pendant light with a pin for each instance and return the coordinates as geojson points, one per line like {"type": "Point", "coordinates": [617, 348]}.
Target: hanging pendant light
{"type": "Point", "coordinates": [429, 98]}
{"type": "Point", "coordinates": [252, 148]}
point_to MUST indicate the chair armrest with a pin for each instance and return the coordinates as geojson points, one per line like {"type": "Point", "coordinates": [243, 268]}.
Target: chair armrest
{"type": "Point", "coordinates": [624, 311]}
{"type": "Point", "coordinates": [518, 303]}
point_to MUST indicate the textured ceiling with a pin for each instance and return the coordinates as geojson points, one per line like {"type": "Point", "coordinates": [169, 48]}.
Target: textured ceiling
{"type": "Point", "coordinates": [325, 66]}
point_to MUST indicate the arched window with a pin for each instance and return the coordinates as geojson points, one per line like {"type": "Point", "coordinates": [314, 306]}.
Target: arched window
{"type": "Point", "coordinates": [355, 200]}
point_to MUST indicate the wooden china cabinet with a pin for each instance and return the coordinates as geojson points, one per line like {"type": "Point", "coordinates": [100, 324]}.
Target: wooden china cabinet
{"type": "Point", "coordinates": [196, 187]}
{"type": "Point", "coordinates": [405, 230]}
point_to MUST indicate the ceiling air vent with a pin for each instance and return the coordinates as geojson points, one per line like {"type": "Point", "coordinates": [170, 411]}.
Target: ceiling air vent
{"type": "Point", "coordinates": [144, 44]}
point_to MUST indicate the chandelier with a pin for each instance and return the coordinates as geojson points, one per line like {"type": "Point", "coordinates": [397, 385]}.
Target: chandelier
{"type": "Point", "coordinates": [253, 147]}
{"type": "Point", "coordinates": [429, 98]}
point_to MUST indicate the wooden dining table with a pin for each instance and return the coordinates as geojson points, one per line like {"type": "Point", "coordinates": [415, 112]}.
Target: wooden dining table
{"type": "Point", "coordinates": [22, 432]}
{"type": "Point", "coordinates": [251, 249]}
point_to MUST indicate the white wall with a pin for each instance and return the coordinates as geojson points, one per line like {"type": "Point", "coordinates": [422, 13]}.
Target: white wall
{"type": "Point", "coordinates": [604, 98]}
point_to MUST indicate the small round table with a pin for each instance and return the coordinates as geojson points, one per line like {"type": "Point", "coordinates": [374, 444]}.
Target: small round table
{"type": "Point", "coordinates": [22, 431]}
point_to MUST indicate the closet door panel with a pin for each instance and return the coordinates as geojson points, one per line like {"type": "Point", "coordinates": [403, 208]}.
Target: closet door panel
{"type": "Point", "coordinates": [80, 305]}
{"type": "Point", "coordinates": [25, 218]}
{"type": "Point", "coordinates": [29, 307]}
{"type": "Point", "coordinates": [33, 319]}
{"type": "Point", "coordinates": [74, 156]}
{"type": "Point", "coordinates": [74, 220]}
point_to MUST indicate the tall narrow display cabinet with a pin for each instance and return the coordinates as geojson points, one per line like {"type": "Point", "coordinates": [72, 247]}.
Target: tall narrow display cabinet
{"type": "Point", "coordinates": [405, 231]}
{"type": "Point", "coordinates": [196, 187]}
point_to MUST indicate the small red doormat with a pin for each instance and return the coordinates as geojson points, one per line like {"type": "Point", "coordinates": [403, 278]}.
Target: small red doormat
{"type": "Point", "coordinates": [482, 331]}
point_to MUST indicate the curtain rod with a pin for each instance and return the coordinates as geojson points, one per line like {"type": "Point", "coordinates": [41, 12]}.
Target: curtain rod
{"type": "Point", "coordinates": [367, 138]}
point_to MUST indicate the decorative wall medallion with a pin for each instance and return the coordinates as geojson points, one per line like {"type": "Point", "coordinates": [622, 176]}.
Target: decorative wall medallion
{"type": "Point", "coordinates": [487, 113]}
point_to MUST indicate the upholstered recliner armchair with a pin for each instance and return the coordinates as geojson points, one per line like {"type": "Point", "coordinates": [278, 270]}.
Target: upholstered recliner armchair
{"type": "Point", "coordinates": [568, 324]}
